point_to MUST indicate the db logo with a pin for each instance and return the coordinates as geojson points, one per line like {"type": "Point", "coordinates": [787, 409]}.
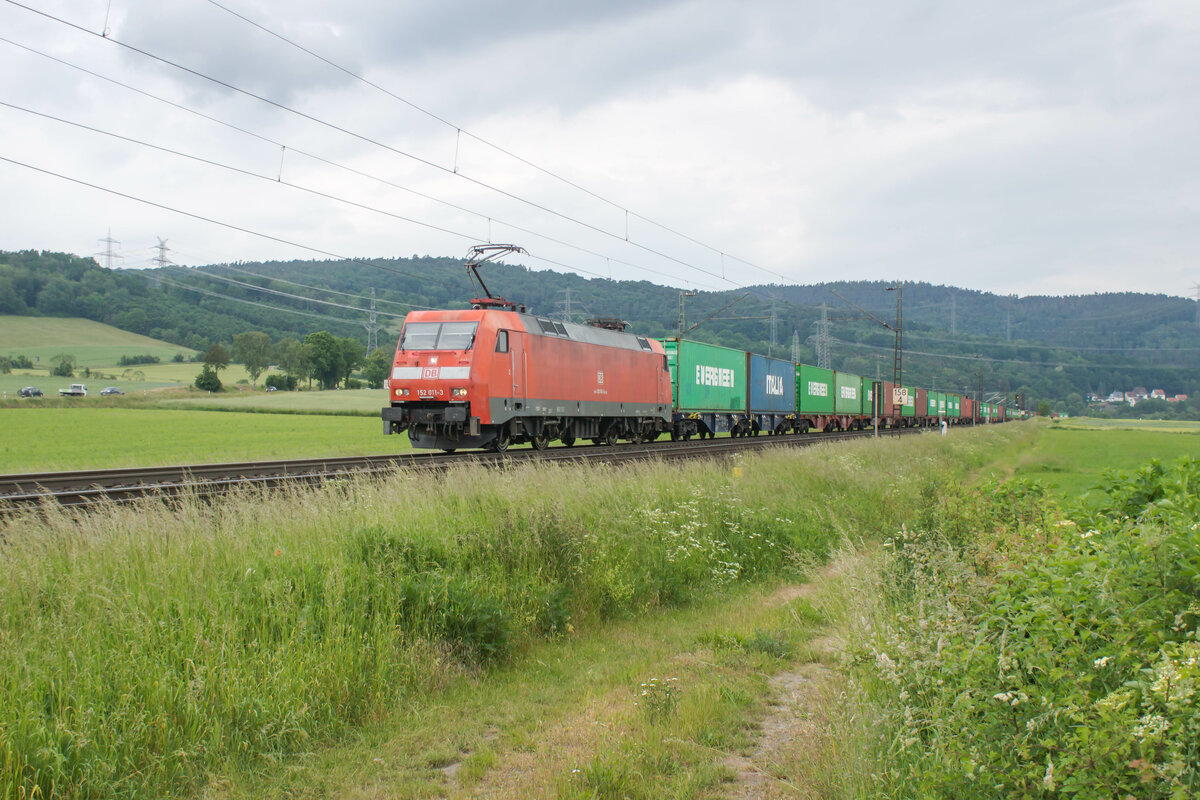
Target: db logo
{"type": "Point", "coordinates": [430, 372]}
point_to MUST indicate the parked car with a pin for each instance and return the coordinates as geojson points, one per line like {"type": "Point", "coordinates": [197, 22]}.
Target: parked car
{"type": "Point", "coordinates": [107, 390]}
{"type": "Point", "coordinates": [272, 389]}
{"type": "Point", "coordinates": [30, 391]}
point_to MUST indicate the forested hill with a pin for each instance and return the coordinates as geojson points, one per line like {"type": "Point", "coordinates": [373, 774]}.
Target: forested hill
{"type": "Point", "coordinates": [954, 339]}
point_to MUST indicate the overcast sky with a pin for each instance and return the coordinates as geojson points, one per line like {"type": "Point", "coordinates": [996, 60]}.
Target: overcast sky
{"type": "Point", "coordinates": [1013, 147]}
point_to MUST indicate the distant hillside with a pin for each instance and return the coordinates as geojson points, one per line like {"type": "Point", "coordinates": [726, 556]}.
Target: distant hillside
{"type": "Point", "coordinates": [954, 339]}
{"type": "Point", "coordinates": [92, 343]}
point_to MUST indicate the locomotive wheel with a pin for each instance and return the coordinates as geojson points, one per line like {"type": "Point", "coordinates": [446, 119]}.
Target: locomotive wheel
{"type": "Point", "coordinates": [449, 449]}
{"type": "Point", "coordinates": [501, 442]}
{"type": "Point", "coordinates": [610, 436]}
{"type": "Point", "coordinates": [568, 441]}
{"type": "Point", "coordinates": [540, 442]}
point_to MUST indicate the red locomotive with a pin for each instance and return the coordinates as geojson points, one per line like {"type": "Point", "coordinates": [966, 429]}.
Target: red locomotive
{"type": "Point", "coordinates": [493, 375]}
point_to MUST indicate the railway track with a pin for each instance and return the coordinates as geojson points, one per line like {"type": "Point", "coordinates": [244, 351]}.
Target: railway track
{"type": "Point", "coordinates": [90, 487]}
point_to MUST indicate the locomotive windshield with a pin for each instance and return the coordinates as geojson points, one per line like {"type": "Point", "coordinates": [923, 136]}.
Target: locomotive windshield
{"type": "Point", "coordinates": [438, 336]}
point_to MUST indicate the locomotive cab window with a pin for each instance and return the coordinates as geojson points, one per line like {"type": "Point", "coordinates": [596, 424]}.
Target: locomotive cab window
{"type": "Point", "coordinates": [501, 341]}
{"type": "Point", "coordinates": [438, 336]}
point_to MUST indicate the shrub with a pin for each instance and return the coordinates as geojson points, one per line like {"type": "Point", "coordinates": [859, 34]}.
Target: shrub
{"type": "Point", "coordinates": [133, 361]}
{"type": "Point", "coordinates": [285, 383]}
{"type": "Point", "coordinates": [207, 380]}
{"type": "Point", "coordinates": [1045, 655]}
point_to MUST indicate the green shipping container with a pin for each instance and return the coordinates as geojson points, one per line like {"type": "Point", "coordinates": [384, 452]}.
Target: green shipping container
{"type": "Point", "coordinates": [814, 389]}
{"type": "Point", "coordinates": [910, 404]}
{"type": "Point", "coordinates": [952, 405]}
{"type": "Point", "coordinates": [868, 397]}
{"type": "Point", "coordinates": [849, 393]}
{"type": "Point", "coordinates": [705, 377]}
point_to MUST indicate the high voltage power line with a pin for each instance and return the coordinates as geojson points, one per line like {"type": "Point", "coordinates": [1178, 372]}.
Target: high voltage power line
{"type": "Point", "coordinates": [232, 268]}
{"type": "Point", "coordinates": [278, 293]}
{"type": "Point", "coordinates": [244, 301]}
{"type": "Point", "coordinates": [1063, 364]}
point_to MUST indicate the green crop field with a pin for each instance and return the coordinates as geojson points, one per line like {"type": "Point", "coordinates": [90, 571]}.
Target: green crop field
{"type": "Point", "coordinates": [1070, 458]}
{"type": "Point", "coordinates": [45, 439]}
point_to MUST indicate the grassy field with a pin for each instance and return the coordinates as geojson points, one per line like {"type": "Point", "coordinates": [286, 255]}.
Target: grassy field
{"type": "Point", "coordinates": [96, 347]}
{"type": "Point", "coordinates": [93, 344]}
{"type": "Point", "coordinates": [44, 439]}
{"type": "Point", "coordinates": [1071, 455]}
{"type": "Point", "coordinates": [570, 632]}
{"type": "Point", "coordinates": [362, 402]}
{"type": "Point", "coordinates": [598, 632]}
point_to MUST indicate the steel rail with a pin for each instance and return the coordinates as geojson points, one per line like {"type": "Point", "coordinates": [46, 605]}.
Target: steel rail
{"type": "Point", "coordinates": [116, 486]}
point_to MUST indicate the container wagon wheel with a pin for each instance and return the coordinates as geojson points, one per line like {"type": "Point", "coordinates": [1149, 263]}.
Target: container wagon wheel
{"type": "Point", "coordinates": [540, 442]}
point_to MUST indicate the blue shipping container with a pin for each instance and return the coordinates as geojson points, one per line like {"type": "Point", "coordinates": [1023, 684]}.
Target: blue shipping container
{"type": "Point", "coordinates": [772, 385]}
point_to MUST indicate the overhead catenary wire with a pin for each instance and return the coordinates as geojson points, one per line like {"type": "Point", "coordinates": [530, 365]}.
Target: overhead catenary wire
{"type": "Point", "coordinates": [460, 131]}
{"type": "Point", "coordinates": [201, 217]}
{"type": "Point", "coordinates": [361, 137]}
{"type": "Point", "coordinates": [320, 159]}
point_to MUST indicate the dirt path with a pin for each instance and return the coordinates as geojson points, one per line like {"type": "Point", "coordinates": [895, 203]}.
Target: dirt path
{"type": "Point", "coordinates": [796, 729]}
{"type": "Point", "coordinates": [793, 733]}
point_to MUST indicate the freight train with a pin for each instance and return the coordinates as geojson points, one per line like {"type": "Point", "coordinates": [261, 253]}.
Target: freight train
{"type": "Point", "coordinates": [490, 377]}
{"type": "Point", "coordinates": [495, 375]}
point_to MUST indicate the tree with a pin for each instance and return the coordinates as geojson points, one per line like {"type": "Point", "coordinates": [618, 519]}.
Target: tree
{"type": "Point", "coordinates": [294, 358]}
{"type": "Point", "coordinates": [1043, 408]}
{"type": "Point", "coordinates": [377, 367]}
{"type": "Point", "coordinates": [64, 365]}
{"type": "Point", "coordinates": [208, 380]}
{"type": "Point", "coordinates": [253, 349]}
{"type": "Point", "coordinates": [353, 354]}
{"type": "Point", "coordinates": [216, 357]}
{"type": "Point", "coordinates": [326, 357]}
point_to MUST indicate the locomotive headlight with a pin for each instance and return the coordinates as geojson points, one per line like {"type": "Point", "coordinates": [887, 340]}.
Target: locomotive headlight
{"type": "Point", "coordinates": [402, 392]}
{"type": "Point", "coordinates": [458, 392]}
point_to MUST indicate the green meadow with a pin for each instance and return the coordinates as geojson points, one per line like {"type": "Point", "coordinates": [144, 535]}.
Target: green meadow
{"type": "Point", "coordinates": [554, 631]}
{"type": "Point", "coordinates": [93, 344]}
{"type": "Point", "coordinates": [360, 402]}
{"type": "Point", "coordinates": [48, 439]}
{"type": "Point", "coordinates": [1071, 455]}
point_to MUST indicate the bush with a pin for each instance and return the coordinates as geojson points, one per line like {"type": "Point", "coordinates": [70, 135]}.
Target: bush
{"type": "Point", "coordinates": [133, 361]}
{"type": "Point", "coordinates": [207, 380]}
{"type": "Point", "coordinates": [284, 383]}
{"type": "Point", "coordinates": [1047, 654]}
{"type": "Point", "coordinates": [64, 365]}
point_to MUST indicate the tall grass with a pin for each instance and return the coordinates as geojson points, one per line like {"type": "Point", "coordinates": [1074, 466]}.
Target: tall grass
{"type": "Point", "coordinates": [143, 650]}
